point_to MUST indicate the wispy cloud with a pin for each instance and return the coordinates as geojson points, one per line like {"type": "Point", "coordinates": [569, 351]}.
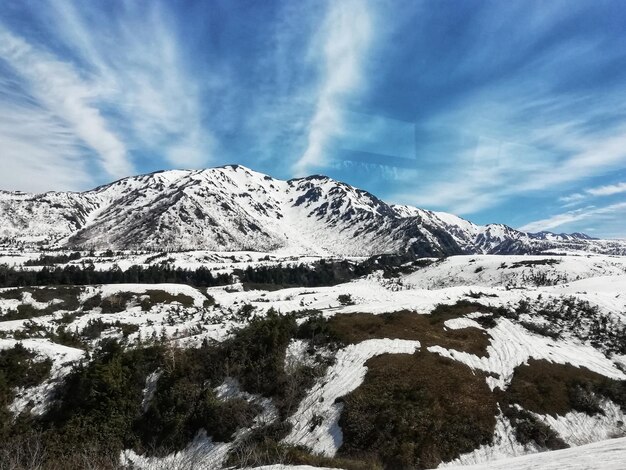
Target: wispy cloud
{"type": "Point", "coordinates": [612, 211]}
{"type": "Point", "coordinates": [505, 150]}
{"type": "Point", "coordinates": [60, 89]}
{"type": "Point", "coordinates": [124, 91]}
{"type": "Point", "coordinates": [599, 191]}
{"type": "Point", "coordinates": [343, 41]}
{"type": "Point", "coordinates": [608, 190]}
{"type": "Point", "coordinates": [52, 160]}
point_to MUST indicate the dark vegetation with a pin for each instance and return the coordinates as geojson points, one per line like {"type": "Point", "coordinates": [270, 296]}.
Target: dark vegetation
{"type": "Point", "coordinates": [50, 260]}
{"type": "Point", "coordinates": [328, 273]}
{"type": "Point", "coordinates": [96, 327]}
{"type": "Point", "coordinates": [529, 430]}
{"type": "Point", "coordinates": [353, 328]}
{"type": "Point", "coordinates": [263, 447]}
{"type": "Point", "coordinates": [86, 275]}
{"type": "Point", "coordinates": [19, 367]}
{"type": "Point", "coordinates": [98, 407]}
{"type": "Point", "coordinates": [547, 388]}
{"type": "Point", "coordinates": [535, 262]}
{"type": "Point", "coordinates": [345, 299]}
{"type": "Point", "coordinates": [119, 301]}
{"type": "Point", "coordinates": [66, 296]}
{"type": "Point", "coordinates": [320, 273]}
{"type": "Point", "coordinates": [412, 411]}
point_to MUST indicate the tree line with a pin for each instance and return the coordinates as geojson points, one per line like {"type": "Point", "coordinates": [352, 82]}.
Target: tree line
{"type": "Point", "coordinates": [86, 275]}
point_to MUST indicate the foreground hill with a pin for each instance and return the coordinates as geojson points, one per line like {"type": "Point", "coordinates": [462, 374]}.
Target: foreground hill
{"type": "Point", "coordinates": [393, 362]}
{"type": "Point", "coordinates": [233, 208]}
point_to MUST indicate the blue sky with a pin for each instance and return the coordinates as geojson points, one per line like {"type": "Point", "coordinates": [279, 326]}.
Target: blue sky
{"type": "Point", "coordinates": [499, 111]}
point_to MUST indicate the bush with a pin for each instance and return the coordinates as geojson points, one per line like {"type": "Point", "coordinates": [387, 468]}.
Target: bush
{"type": "Point", "coordinates": [345, 299]}
{"type": "Point", "coordinates": [98, 409]}
{"type": "Point", "coordinates": [529, 429]}
{"type": "Point", "coordinates": [94, 328]}
{"type": "Point", "coordinates": [19, 367]}
{"type": "Point", "coordinates": [99, 401]}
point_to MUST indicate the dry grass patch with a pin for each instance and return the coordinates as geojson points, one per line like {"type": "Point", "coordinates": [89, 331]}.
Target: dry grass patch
{"type": "Point", "coordinates": [416, 411]}
{"type": "Point", "coordinates": [161, 297]}
{"type": "Point", "coordinates": [120, 301]}
{"type": "Point", "coordinates": [65, 297]}
{"type": "Point", "coordinates": [556, 389]}
{"type": "Point", "coordinates": [428, 329]}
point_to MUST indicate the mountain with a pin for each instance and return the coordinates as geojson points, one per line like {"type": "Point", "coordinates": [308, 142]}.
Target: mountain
{"type": "Point", "coordinates": [233, 208]}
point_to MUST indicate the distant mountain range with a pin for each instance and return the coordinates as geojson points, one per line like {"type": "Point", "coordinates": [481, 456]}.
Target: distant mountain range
{"type": "Point", "coordinates": [233, 208]}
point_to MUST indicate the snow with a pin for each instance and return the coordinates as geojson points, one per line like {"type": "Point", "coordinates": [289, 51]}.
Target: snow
{"type": "Point", "coordinates": [604, 455]}
{"type": "Point", "coordinates": [512, 346]}
{"type": "Point", "coordinates": [150, 388]}
{"type": "Point", "coordinates": [577, 428]}
{"type": "Point", "coordinates": [343, 377]}
{"type": "Point", "coordinates": [63, 358]}
{"type": "Point", "coordinates": [460, 323]}
{"type": "Point", "coordinates": [201, 454]}
{"type": "Point", "coordinates": [501, 270]}
{"type": "Point", "coordinates": [292, 467]}
{"type": "Point", "coordinates": [504, 445]}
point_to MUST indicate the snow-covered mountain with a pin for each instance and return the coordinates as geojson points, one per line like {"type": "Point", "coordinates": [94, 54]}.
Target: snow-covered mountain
{"type": "Point", "coordinates": [234, 208]}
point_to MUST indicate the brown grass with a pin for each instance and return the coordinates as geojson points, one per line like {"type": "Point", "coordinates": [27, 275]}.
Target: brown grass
{"type": "Point", "coordinates": [428, 329]}
{"type": "Point", "coordinates": [555, 389]}
{"type": "Point", "coordinates": [161, 297]}
{"type": "Point", "coordinates": [415, 411]}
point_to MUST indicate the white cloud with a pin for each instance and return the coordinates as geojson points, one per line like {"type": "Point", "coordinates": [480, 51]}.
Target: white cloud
{"type": "Point", "coordinates": [589, 213]}
{"type": "Point", "coordinates": [608, 190]}
{"type": "Point", "coordinates": [343, 40]}
{"type": "Point", "coordinates": [599, 191]}
{"type": "Point", "coordinates": [53, 160]}
{"type": "Point", "coordinates": [63, 92]}
{"type": "Point", "coordinates": [124, 86]}
{"type": "Point", "coordinates": [538, 158]}
{"type": "Point", "coordinates": [574, 198]}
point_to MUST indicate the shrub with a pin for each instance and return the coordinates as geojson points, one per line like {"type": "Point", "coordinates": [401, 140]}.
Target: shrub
{"type": "Point", "coordinates": [345, 299]}
{"type": "Point", "coordinates": [529, 429]}
{"type": "Point", "coordinates": [19, 367]}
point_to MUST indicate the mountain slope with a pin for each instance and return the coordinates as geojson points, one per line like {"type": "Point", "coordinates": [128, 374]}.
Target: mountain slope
{"type": "Point", "coordinates": [233, 208]}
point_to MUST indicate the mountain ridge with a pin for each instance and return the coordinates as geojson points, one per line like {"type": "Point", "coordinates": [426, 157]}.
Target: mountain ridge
{"type": "Point", "coordinates": [234, 208]}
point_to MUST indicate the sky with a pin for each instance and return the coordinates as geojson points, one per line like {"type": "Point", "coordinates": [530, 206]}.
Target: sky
{"type": "Point", "coordinates": [499, 111]}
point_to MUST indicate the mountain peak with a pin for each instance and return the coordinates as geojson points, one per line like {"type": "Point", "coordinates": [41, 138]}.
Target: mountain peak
{"type": "Point", "coordinates": [234, 208]}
